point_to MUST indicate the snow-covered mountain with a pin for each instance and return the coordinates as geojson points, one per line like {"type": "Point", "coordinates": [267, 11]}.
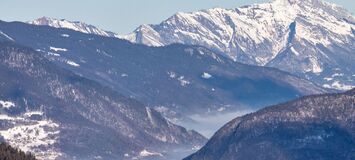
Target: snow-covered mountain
{"type": "Point", "coordinates": [185, 79]}
{"type": "Point", "coordinates": [314, 127]}
{"type": "Point", "coordinates": [179, 81]}
{"type": "Point", "coordinates": [310, 38]}
{"type": "Point", "coordinates": [77, 26]}
{"type": "Point", "coordinates": [56, 114]}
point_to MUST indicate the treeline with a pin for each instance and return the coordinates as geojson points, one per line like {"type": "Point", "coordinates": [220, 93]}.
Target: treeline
{"type": "Point", "coordinates": [9, 153]}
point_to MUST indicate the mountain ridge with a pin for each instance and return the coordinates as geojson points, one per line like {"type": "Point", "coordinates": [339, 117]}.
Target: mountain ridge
{"type": "Point", "coordinates": [49, 110]}
{"type": "Point", "coordinates": [203, 82]}
{"type": "Point", "coordinates": [258, 34]}
{"type": "Point", "coordinates": [74, 25]}
{"type": "Point", "coordinates": [299, 129]}
{"type": "Point", "coordinates": [89, 49]}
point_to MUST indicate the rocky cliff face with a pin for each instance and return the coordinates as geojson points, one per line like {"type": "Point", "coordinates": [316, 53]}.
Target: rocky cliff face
{"type": "Point", "coordinates": [314, 127]}
{"type": "Point", "coordinates": [310, 38]}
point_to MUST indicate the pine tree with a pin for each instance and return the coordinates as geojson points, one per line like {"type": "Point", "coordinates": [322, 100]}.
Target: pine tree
{"type": "Point", "coordinates": [9, 153]}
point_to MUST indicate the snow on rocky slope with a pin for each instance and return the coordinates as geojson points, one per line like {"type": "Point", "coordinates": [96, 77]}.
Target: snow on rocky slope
{"type": "Point", "coordinates": [203, 80]}
{"type": "Point", "coordinates": [30, 134]}
{"type": "Point", "coordinates": [56, 114]}
{"type": "Point", "coordinates": [310, 38]}
{"type": "Point", "coordinates": [77, 26]}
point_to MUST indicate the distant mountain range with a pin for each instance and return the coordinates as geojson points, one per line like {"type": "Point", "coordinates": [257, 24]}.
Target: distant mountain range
{"type": "Point", "coordinates": [176, 79]}
{"type": "Point", "coordinates": [55, 113]}
{"type": "Point", "coordinates": [313, 39]}
{"type": "Point", "coordinates": [72, 90]}
{"type": "Point", "coordinates": [314, 127]}
{"type": "Point", "coordinates": [76, 26]}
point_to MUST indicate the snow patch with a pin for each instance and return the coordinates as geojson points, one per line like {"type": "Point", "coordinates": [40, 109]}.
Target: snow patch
{"type": "Point", "coordinates": [65, 35]}
{"type": "Point", "coordinates": [315, 66]}
{"type": "Point", "coordinates": [171, 115]}
{"type": "Point", "coordinates": [31, 113]}
{"type": "Point", "coordinates": [337, 85]}
{"type": "Point", "coordinates": [7, 104]}
{"type": "Point", "coordinates": [328, 79]}
{"type": "Point", "coordinates": [206, 75]}
{"type": "Point", "coordinates": [183, 81]}
{"type": "Point", "coordinates": [337, 75]}
{"type": "Point", "coordinates": [201, 52]}
{"type": "Point", "coordinates": [58, 49]}
{"type": "Point", "coordinates": [196, 148]}
{"type": "Point", "coordinates": [146, 153]}
{"type": "Point", "coordinates": [294, 51]}
{"type": "Point", "coordinates": [39, 50]}
{"type": "Point", "coordinates": [172, 74]}
{"type": "Point", "coordinates": [150, 117]}
{"type": "Point", "coordinates": [221, 109]}
{"type": "Point", "coordinates": [53, 54]}
{"type": "Point", "coordinates": [8, 37]}
{"type": "Point", "coordinates": [161, 138]}
{"type": "Point", "coordinates": [6, 117]}
{"type": "Point", "coordinates": [72, 63]}
{"type": "Point", "coordinates": [35, 136]}
{"type": "Point", "coordinates": [261, 60]}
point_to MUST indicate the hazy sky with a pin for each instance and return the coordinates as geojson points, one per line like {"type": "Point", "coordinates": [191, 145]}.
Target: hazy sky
{"type": "Point", "coordinates": [121, 16]}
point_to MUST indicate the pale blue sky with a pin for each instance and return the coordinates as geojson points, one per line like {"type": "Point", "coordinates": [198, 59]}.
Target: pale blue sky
{"type": "Point", "coordinates": [121, 16]}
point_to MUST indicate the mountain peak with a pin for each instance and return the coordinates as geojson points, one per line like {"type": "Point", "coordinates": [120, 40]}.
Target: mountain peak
{"type": "Point", "coordinates": [73, 25]}
{"type": "Point", "coordinates": [285, 1]}
{"type": "Point", "coordinates": [48, 21]}
{"type": "Point", "coordinates": [317, 4]}
{"type": "Point", "coordinates": [296, 1]}
{"type": "Point", "coordinates": [290, 35]}
{"type": "Point", "coordinates": [42, 19]}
